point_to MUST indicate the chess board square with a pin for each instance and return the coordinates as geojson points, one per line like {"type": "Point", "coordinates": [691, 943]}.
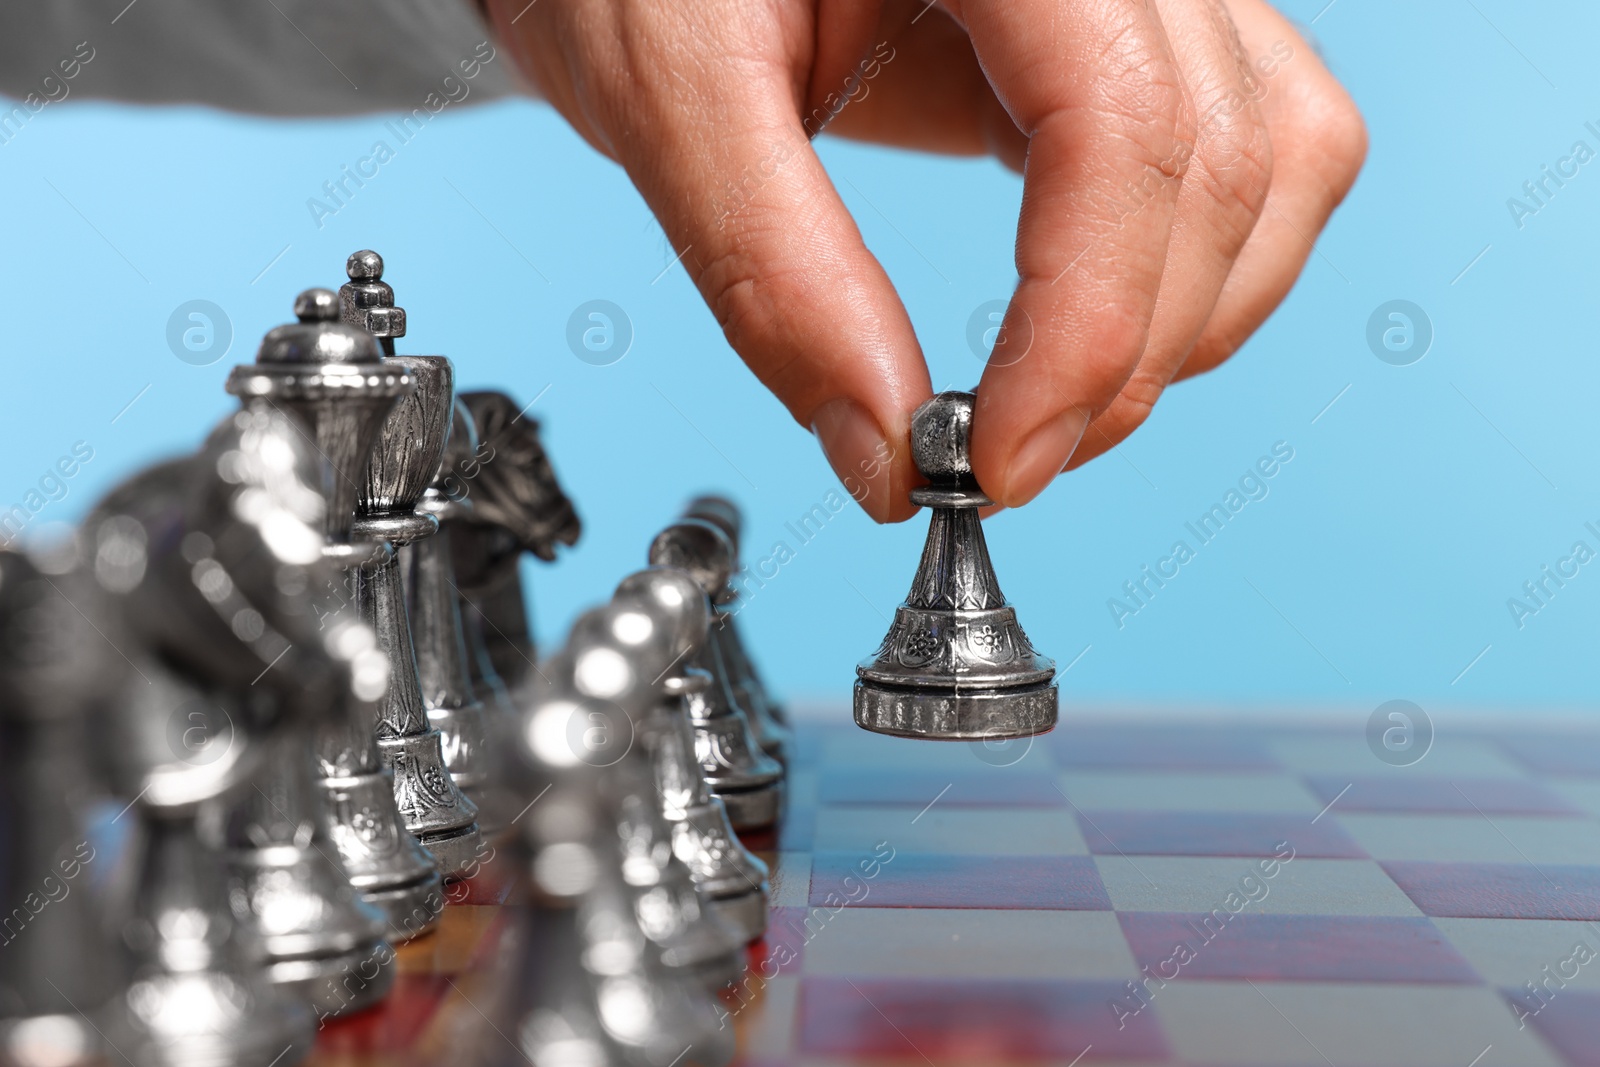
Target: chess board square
{"type": "Point", "coordinates": [1158, 745]}
{"type": "Point", "coordinates": [781, 949]}
{"type": "Point", "coordinates": [1570, 1021]}
{"type": "Point", "coordinates": [1243, 791]}
{"type": "Point", "coordinates": [998, 787]}
{"type": "Point", "coordinates": [986, 1022]}
{"type": "Point", "coordinates": [933, 880]}
{"type": "Point", "coordinates": [1512, 952]}
{"type": "Point", "coordinates": [1221, 1023]}
{"type": "Point", "coordinates": [1345, 752]}
{"type": "Point", "coordinates": [1575, 753]}
{"type": "Point", "coordinates": [1301, 887]}
{"type": "Point", "coordinates": [796, 831]}
{"type": "Point", "coordinates": [1474, 838]}
{"type": "Point", "coordinates": [1420, 793]}
{"type": "Point", "coordinates": [981, 831]}
{"type": "Point", "coordinates": [1185, 833]}
{"type": "Point", "coordinates": [1347, 948]}
{"type": "Point", "coordinates": [764, 1012]}
{"type": "Point", "coordinates": [1500, 890]}
{"type": "Point", "coordinates": [968, 944]}
{"type": "Point", "coordinates": [789, 879]}
{"type": "Point", "coordinates": [462, 931]}
{"type": "Point", "coordinates": [393, 1024]}
{"type": "Point", "coordinates": [1581, 793]}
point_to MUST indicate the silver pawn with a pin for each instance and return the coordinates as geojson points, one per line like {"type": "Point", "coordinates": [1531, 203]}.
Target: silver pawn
{"type": "Point", "coordinates": [731, 878]}
{"type": "Point", "coordinates": [668, 906]}
{"type": "Point", "coordinates": [955, 664]}
{"type": "Point", "coordinates": [749, 781]}
{"type": "Point", "coordinates": [767, 719]}
{"type": "Point", "coordinates": [333, 378]}
{"type": "Point", "coordinates": [399, 470]}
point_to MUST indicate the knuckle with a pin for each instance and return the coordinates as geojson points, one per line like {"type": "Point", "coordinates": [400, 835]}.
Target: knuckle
{"type": "Point", "coordinates": [1332, 137]}
{"type": "Point", "coordinates": [736, 291]}
{"type": "Point", "coordinates": [1233, 167]}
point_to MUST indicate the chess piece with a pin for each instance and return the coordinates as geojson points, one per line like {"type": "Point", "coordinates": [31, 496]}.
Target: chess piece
{"type": "Point", "coordinates": [668, 907]}
{"type": "Point", "coordinates": [731, 879]}
{"type": "Point", "coordinates": [746, 778]}
{"type": "Point", "coordinates": [452, 704]}
{"type": "Point", "coordinates": [56, 958]}
{"type": "Point", "coordinates": [590, 986]}
{"type": "Point", "coordinates": [519, 507]}
{"type": "Point", "coordinates": [322, 942]}
{"type": "Point", "coordinates": [766, 718]}
{"type": "Point", "coordinates": [333, 378]}
{"type": "Point", "coordinates": [399, 470]}
{"type": "Point", "coordinates": [955, 664]}
{"type": "Point", "coordinates": [201, 572]}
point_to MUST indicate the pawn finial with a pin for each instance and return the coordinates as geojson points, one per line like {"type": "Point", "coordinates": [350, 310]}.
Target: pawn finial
{"type": "Point", "coordinates": [317, 305]}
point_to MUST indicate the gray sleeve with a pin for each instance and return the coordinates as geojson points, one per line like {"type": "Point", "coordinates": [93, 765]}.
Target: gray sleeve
{"type": "Point", "coordinates": [275, 57]}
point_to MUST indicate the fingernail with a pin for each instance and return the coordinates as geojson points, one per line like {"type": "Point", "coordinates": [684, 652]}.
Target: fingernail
{"type": "Point", "coordinates": [1042, 457]}
{"type": "Point", "coordinates": [859, 453]}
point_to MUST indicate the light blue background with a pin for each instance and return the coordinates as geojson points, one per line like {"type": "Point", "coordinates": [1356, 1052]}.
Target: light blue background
{"type": "Point", "coordinates": [1379, 567]}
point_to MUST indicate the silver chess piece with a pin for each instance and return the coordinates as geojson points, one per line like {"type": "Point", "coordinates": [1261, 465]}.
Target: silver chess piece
{"type": "Point", "coordinates": [767, 719]}
{"type": "Point", "coordinates": [590, 986]}
{"type": "Point", "coordinates": [611, 641]}
{"type": "Point", "coordinates": [399, 470]}
{"type": "Point", "coordinates": [731, 879]}
{"type": "Point", "coordinates": [955, 664]}
{"type": "Point", "coordinates": [452, 704]}
{"type": "Point", "coordinates": [202, 570]}
{"type": "Point", "coordinates": [333, 378]}
{"type": "Point", "coordinates": [519, 506]}
{"type": "Point", "coordinates": [737, 770]}
{"type": "Point", "coordinates": [56, 957]}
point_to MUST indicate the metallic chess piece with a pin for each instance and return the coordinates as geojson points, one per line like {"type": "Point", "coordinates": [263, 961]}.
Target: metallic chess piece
{"type": "Point", "coordinates": [955, 664]}
{"type": "Point", "coordinates": [202, 570]}
{"type": "Point", "coordinates": [766, 718]}
{"type": "Point", "coordinates": [56, 956]}
{"type": "Point", "coordinates": [519, 507]}
{"type": "Point", "coordinates": [399, 470]}
{"type": "Point", "coordinates": [737, 770]}
{"type": "Point", "coordinates": [322, 941]}
{"type": "Point", "coordinates": [668, 906]}
{"type": "Point", "coordinates": [591, 987]}
{"type": "Point", "coordinates": [442, 660]}
{"type": "Point", "coordinates": [732, 880]}
{"type": "Point", "coordinates": [333, 378]}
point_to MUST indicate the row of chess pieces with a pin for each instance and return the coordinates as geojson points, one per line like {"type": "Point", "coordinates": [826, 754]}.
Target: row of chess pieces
{"type": "Point", "coordinates": [299, 661]}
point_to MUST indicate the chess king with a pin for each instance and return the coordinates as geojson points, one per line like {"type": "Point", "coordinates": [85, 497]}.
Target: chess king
{"type": "Point", "coordinates": [955, 664]}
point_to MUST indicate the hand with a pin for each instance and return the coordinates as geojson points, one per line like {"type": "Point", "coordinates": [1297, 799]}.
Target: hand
{"type": "Point", "coordinates": [1179, 157]}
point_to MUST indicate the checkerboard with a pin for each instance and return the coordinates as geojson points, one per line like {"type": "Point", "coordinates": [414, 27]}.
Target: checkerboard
{"type": "Point", "coordinates": [1139, 892]}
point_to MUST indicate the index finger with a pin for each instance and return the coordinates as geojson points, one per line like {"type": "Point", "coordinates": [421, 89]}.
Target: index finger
{"type": "Point", "coordinates": [1095, 88]}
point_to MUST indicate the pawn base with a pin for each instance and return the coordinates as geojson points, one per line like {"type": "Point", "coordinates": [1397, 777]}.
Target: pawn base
{"type": "Point", "coordinates": [333, 986]}
{"type": "Point", "coordinates": [745, 912]}
{"type": "Point", "coordinates": [410, 910]}
{"type": "Point", "coordinates": [752, 809]}
{"type": "Point", "coordinates": [956, 714]}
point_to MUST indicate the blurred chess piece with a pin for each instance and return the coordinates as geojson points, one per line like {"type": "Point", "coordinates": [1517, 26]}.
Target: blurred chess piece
{"type": "Point", "coordinates": [333, 378]}
{"type": "Point", "coordinates": [56, 957]}
{"type": "Point", "coordinates": [749, 692]}
{"type": "Point", "coordinates": [400, 468]}
{"type": "Point", "coordinates": [452, 704]}
{"type": "Point", "coordinates": [202, 570]}
{"type": "Point", "coordinates": [590, 986]}
{"type": "Point", "coordinates": [955, 664]}
{"type": "Point", "coordinates": [730, 878]}
{"type": "Point", "coordinates": [612, 642]}
{"type": "Point", "coordinates": [519, 507]}
{"type": "Point", "coordinates": [737, 770]}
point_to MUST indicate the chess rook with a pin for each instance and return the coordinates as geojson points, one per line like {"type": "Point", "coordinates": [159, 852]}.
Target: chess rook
{"type": "Point", "coordinates": [737, 770]}
{"type": "Point", "coordinates": [955, 664]}
{"type": "Point", "coordinates": [332, 376]}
